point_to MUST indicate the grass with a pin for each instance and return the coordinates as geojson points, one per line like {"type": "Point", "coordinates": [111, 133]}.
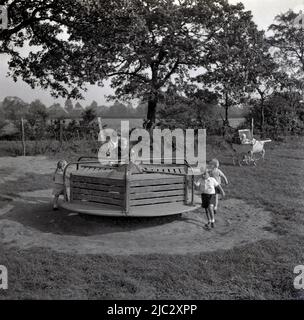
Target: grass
{"type": "Point", "coordinates": [263, 270]}
{"type": "Point", "coordinates": [259, 271]}
{"type": "Point", "coordinates": [29, 182]}
{"type": "Point", "coordinates": [52, 148]}
{"type": "Point", "coordinates": [276, 184]}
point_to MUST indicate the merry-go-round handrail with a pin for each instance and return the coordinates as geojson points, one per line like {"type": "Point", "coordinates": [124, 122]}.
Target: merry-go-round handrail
{"type": "Point", "coordinates": [84, 157]}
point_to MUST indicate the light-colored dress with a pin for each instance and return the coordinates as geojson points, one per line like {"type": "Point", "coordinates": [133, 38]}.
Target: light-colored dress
{"type": "Point", "coordinates": [217, 174]}
{"type": "Point", "coordinates": [58, 188]}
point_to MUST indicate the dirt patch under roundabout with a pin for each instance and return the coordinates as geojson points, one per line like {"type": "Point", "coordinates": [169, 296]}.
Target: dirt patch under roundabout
{"type": "Point", "coordinates": [28, 221]}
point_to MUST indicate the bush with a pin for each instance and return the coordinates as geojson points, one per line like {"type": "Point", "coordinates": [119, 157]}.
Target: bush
{"type": "Point", "coordinates": [49, 147]}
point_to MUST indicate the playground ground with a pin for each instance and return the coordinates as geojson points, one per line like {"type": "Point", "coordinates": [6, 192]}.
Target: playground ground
{"type": "Point", "coordinates": [251, 254]}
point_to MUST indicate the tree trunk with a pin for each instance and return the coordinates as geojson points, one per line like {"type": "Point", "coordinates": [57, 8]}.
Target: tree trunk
{"type": "Point", "coordinates": [226, 116]}
{"type": "Point", "coordinates": [226, 121]}
{"type": "Point", "coordinates": [262, 118]}
{"type": "Point", "coordinates": [151, 116]}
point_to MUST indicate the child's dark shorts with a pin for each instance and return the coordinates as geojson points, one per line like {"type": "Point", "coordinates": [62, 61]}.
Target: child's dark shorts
{"type": "Point", "coordinates": [217, 190]}
{"type": "Point", "coordinates": [207, 200]}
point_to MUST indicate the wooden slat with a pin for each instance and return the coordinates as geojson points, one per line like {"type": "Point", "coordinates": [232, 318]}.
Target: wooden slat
{"type": "Point", "coordinates": [92, 186]}
{"type": "Point", "coordinates": [90, 198]}
{"type": "Point", "coordinates": [110, 194]}
{"type": "Point", "coordinates": [186, 189]}
{"type": "Point", "coordinates": [149, 182]}
{"type": "Point", "coordinates": [164, 169]}
{"type": "Point", "coordinates": [165, 187]}
{"type": "Point", "coordinates": [96, 166]}
{"type": "Point", "coordinates": [168, 170]}
{"type": "Point", "coordinates": [166, 173]}
{"type": "Point", "coordinates": [165, 166]}
{"type": "Point", "coordinates": [174, 169]}
{"type": "Point", "coordinates": [96, 205]}
{"type": "Point", "coordinates": [154, 176]}
{"type": "Point", "coordinates": [149, 195]}
{"type": "Point", "coordinates": [157, 200]}
{"type": "Point", "coordinates": [71, 190]}
{"type": "Point", "coordinates": [98, 180]}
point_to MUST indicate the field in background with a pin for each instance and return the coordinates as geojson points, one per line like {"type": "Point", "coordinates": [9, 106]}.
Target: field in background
{"type": "Point", "coordinates": [137, 123]}
{"type": "Point", "coordinates": [263, 270]}
{"type": "Point", "coordinates": [72, 146]}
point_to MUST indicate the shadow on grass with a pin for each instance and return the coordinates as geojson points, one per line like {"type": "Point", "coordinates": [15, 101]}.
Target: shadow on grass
{"type": "Point", "coordinates": [40, 216]}
{"type": "Point", "coordinates": [28, 182]}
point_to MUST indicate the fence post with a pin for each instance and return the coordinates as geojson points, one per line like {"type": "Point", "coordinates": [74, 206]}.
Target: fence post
{"type": "Point", "coordinates": [60, 133]}
{"type": "Point", "coordinates": [23, 137]}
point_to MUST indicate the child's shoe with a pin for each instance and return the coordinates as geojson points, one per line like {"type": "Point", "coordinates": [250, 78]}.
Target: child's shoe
{"type": "Point", "coordinates": [208, 226]}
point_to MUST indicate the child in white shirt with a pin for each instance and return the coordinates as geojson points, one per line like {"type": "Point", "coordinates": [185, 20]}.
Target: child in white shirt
{"type": "Point", "coordinates": [206, 186]}
{"type": "Point", "coordinates": [218, 175]}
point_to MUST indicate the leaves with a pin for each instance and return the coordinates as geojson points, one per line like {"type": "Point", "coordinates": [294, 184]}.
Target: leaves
{"type": "Point", "coordinates": [143, 47]}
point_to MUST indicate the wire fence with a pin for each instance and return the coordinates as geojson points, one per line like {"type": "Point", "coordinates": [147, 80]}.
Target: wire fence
{"type": "Point", "coordinates": [22, 137]}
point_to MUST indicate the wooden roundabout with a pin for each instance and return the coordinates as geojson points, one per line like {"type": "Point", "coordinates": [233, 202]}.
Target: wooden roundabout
{"type": "Point", "coordinates": [129, 190]}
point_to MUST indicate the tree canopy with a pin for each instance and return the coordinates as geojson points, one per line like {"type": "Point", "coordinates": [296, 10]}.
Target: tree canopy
{"type": "Point", "coordinates": [148, 49]}
{"type": "Point", "coordinates": [142, 46]}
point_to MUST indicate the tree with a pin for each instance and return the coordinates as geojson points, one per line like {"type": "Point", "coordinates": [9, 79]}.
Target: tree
{"type": "Point", "coordinates": [165, 40]}
{"type": "Point", "coordinates": [118, 110]}
{"type": "Point", "coordinates": [37, 112]}
{"type": "Point", "coordinates": [78, 106]}
{"type": "Point", "coordinates": [264, 75]}
{"type": "Point", "coordinates": [14, 108]}
{"type": "Point", "coordinates": [142, 46]}
{"type": "Point", "coordinates": [93, 105]}
{"type": "Point", "coordinates": [88, 115]}
{"type": "Point", "coordinates": [281, 116]}
{"type": "Point", "coordinates": [232, 51]}
{"type": "Point", "coordinates": [68, 105]}
{"type": "Point", "coordinates": [2, 118]}
{"type": "Point", "coordinates": [41, 24]}
{"type": "Point", "coordinates": [56, 111]}
{"type": "Point", "coordinates": [36, 120]}
{"type": "Point", "coordinates": [196, 110]}
{"type": "Point", "coordinates": [288, 39]}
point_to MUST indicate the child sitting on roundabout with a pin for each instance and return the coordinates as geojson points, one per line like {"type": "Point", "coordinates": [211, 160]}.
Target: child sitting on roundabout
{"type": "Point", "coordinates": [206, 186]}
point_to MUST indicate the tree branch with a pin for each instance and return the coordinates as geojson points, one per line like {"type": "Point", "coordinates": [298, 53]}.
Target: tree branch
{"type": "Point", "coordinates": [7, 33]}
{"type": "Point", "coordinates": [169, 74]}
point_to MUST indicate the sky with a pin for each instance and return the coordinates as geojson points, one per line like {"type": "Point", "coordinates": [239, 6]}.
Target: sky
{"type": "Point", "coordinates": [263, 12]}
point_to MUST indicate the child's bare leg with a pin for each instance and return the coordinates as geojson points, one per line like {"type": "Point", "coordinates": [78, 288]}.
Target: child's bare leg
{"type": "Point", "coordinates": [211, 213]}
{"type": "Point", "coordinates": [208, 218]}
{"type": "Point", "coordinates": [55, 202]}
{"type": "Point", "coordinates": [216, 202]}
{"type": "Point", "coordinates": [68, 193]}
